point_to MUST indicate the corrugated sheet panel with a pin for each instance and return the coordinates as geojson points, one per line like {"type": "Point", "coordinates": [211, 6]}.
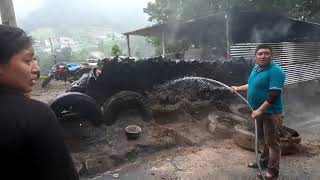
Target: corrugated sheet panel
{"type": "Point", "coordinates": [300, 61]}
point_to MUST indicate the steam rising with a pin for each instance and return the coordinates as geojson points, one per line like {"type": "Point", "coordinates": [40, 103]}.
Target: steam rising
{"type": "Point", "coordinates": [275, 31]}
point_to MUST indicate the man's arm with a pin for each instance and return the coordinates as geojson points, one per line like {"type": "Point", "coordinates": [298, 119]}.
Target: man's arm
{"type": "Point", "coordinates": [260, 110]}
{"type": "Point", "coordinates": [273, 95]}
{"type": "Point", "coordinates": [239, 88]}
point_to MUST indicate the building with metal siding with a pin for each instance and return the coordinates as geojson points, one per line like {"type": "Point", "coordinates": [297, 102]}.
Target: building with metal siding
{"type": "Point", "coordinates": [296, 43]}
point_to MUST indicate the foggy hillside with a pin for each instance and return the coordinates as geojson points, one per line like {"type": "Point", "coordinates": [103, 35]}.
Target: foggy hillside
{"type": "Point", "coordinates": [120, 16]}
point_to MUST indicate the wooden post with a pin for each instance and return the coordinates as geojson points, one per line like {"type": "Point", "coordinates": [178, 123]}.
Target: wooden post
{"type": "Point", "coordinates": [163, 40]}
{"type": "Point", "coordinates": [128, 44]}
{"type": "Point", "coordinates": [7, 13]}
{"type": "Point", "coordinates": [228, 36]}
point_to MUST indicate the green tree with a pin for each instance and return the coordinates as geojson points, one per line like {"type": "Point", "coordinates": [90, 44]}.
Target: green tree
{"type": "Point", "coordinates": [81, 55]}
{"type": "Point", "coordinates": [162, 11]}
{"type": "Point", "coordinates": [64, 55]}
{"type": "Point", "coordinates": [116, 51]}
{"type": "Point", "coordinates": [175, 47]}
{"type": "Point", "coordinates": [156, 42]}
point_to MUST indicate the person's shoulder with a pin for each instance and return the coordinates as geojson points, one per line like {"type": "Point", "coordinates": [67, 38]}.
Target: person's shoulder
{"type": "Point", "coordinates": [275, 65]}
{"type": "Point", "coordinates": [37, 105]}
{"type": "Point", "coordinates": [276, 68]}
{"type": "Point", "coordinates": [21, 101]}
{"type": "Point", "coordinates": [40, 113]}
{"type": "Point", "coordinates": [277, 72]}
{"type": "Point", "coordinates": [25, 110]}
{"type": "Point", "coordinates": [36, 102]}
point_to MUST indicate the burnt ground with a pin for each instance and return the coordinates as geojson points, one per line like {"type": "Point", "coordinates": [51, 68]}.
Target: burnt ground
{"type": "Point", "coordinates": [180, 146]}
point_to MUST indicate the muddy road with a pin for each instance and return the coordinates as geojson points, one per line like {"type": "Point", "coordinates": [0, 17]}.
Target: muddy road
{"type": "Point", "coordinates": [180, 146]}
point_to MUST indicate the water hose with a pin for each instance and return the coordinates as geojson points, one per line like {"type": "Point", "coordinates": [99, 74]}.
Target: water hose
{"type": "Point", "coordinates": [255, 123]}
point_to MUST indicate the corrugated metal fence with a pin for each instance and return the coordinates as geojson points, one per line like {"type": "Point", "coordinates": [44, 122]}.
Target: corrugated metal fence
{"type": "Point", "coordinates": [300, 61]}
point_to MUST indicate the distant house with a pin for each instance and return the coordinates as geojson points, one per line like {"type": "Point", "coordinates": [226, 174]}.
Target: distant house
{"type": "Point", "coordinates": [68, 42]}
{"type": "Point", "coordinates": [237, 33]}
{"type": "Point", "coordinates": [62, 42]}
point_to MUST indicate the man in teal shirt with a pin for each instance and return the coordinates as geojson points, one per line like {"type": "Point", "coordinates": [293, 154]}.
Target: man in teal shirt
{"type": "Point", "coordinates": [265, 86]}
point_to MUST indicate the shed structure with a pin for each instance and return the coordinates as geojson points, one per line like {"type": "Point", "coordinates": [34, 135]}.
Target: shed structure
{"type": "Point", "coordinates": [296, 43]}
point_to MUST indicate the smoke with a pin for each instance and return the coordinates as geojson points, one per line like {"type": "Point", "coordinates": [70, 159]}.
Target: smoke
{"type": "Point", "coordinates": [302, 109]}
{"type": "Point", "coordinates": [272, 32]}
{"type": "Point", "coordinates": [171, 36]}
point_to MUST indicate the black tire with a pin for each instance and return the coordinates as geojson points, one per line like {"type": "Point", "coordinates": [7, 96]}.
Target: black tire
{"type": "Point", "coordinates": [125, 100]}
{"type": "Point", "coordinates": [246, 139]}
{"type": "Point", "coordinates": [76, 89]}
{"type": "Point", "coordinates": [78, 103]}
{"type": "Point", "coordinates": [46, 81]}
{"type": "Point", "coordinates": [223, 124]}
{"type": "Point", "coordinates": [241, 110]}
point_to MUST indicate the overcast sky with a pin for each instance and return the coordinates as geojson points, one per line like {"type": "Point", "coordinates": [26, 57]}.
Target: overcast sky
{"type": "Point", "coordinates": [24, 7]}
{"type": "Point", "coordinates": [124, 11]}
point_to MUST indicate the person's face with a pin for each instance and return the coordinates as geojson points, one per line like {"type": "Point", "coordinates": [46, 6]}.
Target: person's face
{"type": "Point", "coordinates": [21, 72]}
{"type": "Point", "coordinates": [263, 57]}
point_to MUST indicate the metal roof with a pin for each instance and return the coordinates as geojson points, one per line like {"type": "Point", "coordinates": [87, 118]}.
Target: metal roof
{"type": "Point", "coordinates": [157, 29]}
{"type": "Point", "coordinates": [154, 30]}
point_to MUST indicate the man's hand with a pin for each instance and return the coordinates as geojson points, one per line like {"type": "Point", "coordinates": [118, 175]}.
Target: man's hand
{"type": "Point", "coordinates": [234, 89]}
{"type": "Point", "coordinates": [260, 110]}
{"type": "Point", "coordinates": [98, 72]}
{"type": "Point", "coordinates": [256, 113]}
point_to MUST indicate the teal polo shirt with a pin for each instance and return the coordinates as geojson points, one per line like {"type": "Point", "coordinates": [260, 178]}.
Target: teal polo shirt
{"type": "Point", "coordinates": [259, 84]}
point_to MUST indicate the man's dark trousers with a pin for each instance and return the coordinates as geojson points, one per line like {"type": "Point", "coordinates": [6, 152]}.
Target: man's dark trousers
{"type": "Point", "coordinates": [269, 137]}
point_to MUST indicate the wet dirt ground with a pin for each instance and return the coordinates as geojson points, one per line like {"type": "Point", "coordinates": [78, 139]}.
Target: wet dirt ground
{"type": "Point", "coordinates": [53, 89]}
{"type": "Point", "coordinates": [180, 147]}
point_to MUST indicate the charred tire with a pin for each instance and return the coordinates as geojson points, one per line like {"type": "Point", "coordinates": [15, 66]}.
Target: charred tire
{"type": "Point", "coordinates": [46, 81]}
{"type": "Point", "coordinates": [223, 124]}
{"type": "Point", "coordinates": [122, 101]}
{"type": "Point", "coordinates": [76, 89]}
{"type": "Point", "coordinates": [79, 103]}
{"type": "Point", "coordinates": [245, 139]}
{"type": "Point", "coordinates": [240, 110]}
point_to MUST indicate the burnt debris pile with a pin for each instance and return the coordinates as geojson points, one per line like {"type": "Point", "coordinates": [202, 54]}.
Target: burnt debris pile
{"type": "Point", "coordinates": [197, 92]}
{"type": "Point", "coordinates": [143, 75]}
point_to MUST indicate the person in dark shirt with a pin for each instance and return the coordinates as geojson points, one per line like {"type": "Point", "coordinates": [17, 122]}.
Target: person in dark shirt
{"type": "Point", "coordinates": [31, 141]}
